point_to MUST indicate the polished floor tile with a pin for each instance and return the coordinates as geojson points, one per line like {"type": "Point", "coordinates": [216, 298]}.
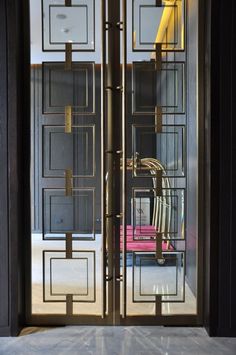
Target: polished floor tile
{"type": "Point", "coordinates": [75, 340]}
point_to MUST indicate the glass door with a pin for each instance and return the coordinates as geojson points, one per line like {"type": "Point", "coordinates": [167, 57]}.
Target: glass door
{"type": "Point", "coordinates": [113, 142]}
{"type": "Point", "coordinates": [68, 247]}
{"type": "Point", "coordinates": [158, 252]}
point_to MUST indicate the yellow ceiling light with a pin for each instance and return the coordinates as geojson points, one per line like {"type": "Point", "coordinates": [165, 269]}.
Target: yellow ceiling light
{"type": "Point", "coordinates": [166, 14]}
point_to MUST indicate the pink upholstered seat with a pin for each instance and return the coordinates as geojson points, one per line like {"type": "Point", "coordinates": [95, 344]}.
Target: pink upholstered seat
{"type": "Point", "coordinates": [136, 239]}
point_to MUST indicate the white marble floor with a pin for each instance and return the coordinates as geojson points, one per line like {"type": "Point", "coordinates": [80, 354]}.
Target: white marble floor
{"type": "Point", "coordinates": [74, 340]}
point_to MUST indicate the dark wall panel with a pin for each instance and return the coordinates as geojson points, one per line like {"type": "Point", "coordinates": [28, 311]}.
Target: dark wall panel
{"type": "Point", "coordinates": [4, 319]}
{"type": "Point", "coordinates": [220, 266]}
{"type": "Point", "coordinates": [14, 167]}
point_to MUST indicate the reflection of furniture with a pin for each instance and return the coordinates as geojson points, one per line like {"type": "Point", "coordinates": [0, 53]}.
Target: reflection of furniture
{"type": "Point", "coordinates": [162, 204]}
{"type": "Point", "coordinates": [142, 238]}
{"type": "Point", "coordinates": [144, 241]}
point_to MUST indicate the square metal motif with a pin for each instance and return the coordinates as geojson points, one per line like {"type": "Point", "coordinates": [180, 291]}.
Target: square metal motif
{"type": "Point", "coordinates": [74, 24]}
{"type": "Point", "coordinates": [151, 279]}
{"type": "Point", "coordinates": [63, 276]}
{"type": "Point", "coordinates": [158, 23]}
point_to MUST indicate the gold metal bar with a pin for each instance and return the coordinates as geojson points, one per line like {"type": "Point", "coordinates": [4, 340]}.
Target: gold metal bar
{"type": "Point", "coordinates": [158, 306]}
{"type": "Point", "coordinates": [68, 119]}
{"type": "Point", "coordinates": [158, 56]}
{"type": "Point", "coordinates": [68, 176]}
{"type": "Point", "coordinates": [113, 135]}
{"type": "Point", "coordinates": [69, 247]}
{"type": "Point", "coordinates": [158, 188]}
{"type": "Point", "coordinates": [124, 156]}
{"type": "Point", "coordinates": [69, 305]}
{"type": "Point", "coordinates": [68, 64]}
{"type": "Point", "coordinates": [159, 246]}
{"type": "Point", "coordinates": [103, 163]}
{"type": "Point", "coordinates": [158, 119]}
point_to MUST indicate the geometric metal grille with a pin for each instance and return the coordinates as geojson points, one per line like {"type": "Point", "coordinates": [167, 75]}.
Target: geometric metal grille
{"type": "Point", "coordinates": [165, 88]}
{"type": "Point", "coordinates": [75, 276]}
{"type": "Point", "coordinates": [69, 214]}
{"type": "Point", "coordinates": [151, 279]}
{"type": "Point", "coordinates": [73, 24]}
{"type": "Point", "coordinates": [62, 150]}
{"type": "Point", "coordinates": [147, 141]}
{"type": "Point", "coordinates": [74, 87]}
{"type": "Point", "coordinates": [150, 25]}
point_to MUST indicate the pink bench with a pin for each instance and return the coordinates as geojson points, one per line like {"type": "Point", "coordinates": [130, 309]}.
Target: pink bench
{"type": "Point", "coordinates": [135, 239]}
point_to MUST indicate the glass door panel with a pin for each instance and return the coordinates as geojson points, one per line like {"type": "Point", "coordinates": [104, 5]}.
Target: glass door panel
{"type": "Point", "coordinates": [113, 164]}
{"type": "Point", "coordinates": [67, 242]}
{"type": "Point", "coordinates": [156, 255]}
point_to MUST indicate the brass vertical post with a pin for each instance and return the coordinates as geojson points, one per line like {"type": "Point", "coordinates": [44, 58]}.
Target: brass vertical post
{"type": "Point", "coordinates": [68, 182]}
{"type": "Point", "coordinates": [158, 107]}
{"type": "Point", "coordinates": [124, 151]}
{"type": "Point", "coordinates": [158, 306]}
{"type": "Point", "coordinates": [103, 158]}
{"type": "Point", "coordinates": [68, 119]}
{"type": "Point", "coordinates": [68, 48]}
{"type": "Point", "coordinates": [112, 158]}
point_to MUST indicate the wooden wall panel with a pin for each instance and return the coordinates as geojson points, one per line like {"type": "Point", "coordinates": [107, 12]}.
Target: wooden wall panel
{"type": "Point", "coordinates": [220, 168]}
{"type": "Point", "coordinates": [14, 160]}
{"type": "Point", "coordinates": [4, 259]}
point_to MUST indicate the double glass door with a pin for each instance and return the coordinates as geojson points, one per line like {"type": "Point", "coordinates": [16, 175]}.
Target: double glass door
{"type": "Point", "coordinates": [110, 242]}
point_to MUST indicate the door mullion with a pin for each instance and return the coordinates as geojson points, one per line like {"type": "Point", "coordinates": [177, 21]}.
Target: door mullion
{"type": "Point", "coordinates": [113, 159]}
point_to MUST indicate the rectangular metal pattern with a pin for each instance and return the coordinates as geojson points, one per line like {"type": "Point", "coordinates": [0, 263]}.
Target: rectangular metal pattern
{"type": "Point", "coordinates": [166, 24]}
{"type": "Point", "coordinates": [80, 21]}
{"type": "Point", "coordinates": [147, 142]}
{"type": "Point", "coordinates": [77, 150]}
{"type": "Point", "coordinates": [164, 88]}
{"type": "Point", "coordinates": [74, 87]}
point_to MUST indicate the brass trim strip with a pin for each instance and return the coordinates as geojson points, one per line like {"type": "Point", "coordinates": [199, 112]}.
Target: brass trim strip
{"type": "Point", "coordinates": [68, 64]}
{"type": "Point", "coordinates": [158, 119]}
{"type": "Point", "coordinates": [158, 187]}
{"type": "Point", "coordinates": [68, 182]}
{"type": "Point", "coordinates": [124, 157]}
{"type": "Point", "coordinates": [69, 305]}
{"type": "Point", "coordinates": [68, 119]}
{"type": "Point", "coordinates": [158, 56]}
{"type": "Point", "coordinates": [69, 246]}
{"type": "Point", "coordinates": [158, 306]}
{"type": "Point", "coordinates": [159, 246]}
{"type": "Point", "coordinates": [103, 163]}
